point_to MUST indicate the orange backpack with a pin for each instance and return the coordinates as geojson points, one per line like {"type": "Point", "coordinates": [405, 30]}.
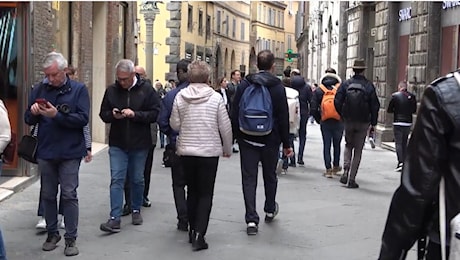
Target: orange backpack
{"type": "Point", "coordinates": [327, 103]}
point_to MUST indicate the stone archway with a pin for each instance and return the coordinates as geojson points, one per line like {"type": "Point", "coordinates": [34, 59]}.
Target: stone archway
{"type": "Point", "coordinates": [218, 68]}
{"type": "Point", "coordinates": [232, 61]}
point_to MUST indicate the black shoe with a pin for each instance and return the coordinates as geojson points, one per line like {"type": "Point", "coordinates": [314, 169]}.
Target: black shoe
{"type": "Point", "coordinates": [191, 235]}
{"type": "Point", "coordinates": [352, 184]}
{"type": "Point", "coordinates": [270, 216]}
{"type": "Point", "coordinates": [292, 164]}
{"type": "Point", "coordinates": [235, 150]}
{"type": "Point", "coordinates": [252, 229]}
{"type": "Point", "coordinates": [300, 162]}
{"type": "Point", "coordinates": [198, 242]}
{"type": "Point", "coordinates": [70, 248]}
{"type": "Point", "coordinates": [182, 226]}
{"type": "Point", "coordinates": [136, 218]}
{"type": "Point", "coordinates": [51, 242]}
{"type": "Point", "coordinates": [126, 210]}
{"type": "Point", "coordinates": [344, 178]}
{"type": "Point", "coordinates": [146, 203]}
{"type": "Point", "coordinates": [112, 226]}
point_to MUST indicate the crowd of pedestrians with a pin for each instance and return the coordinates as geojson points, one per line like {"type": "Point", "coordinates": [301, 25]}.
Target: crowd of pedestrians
{"type": "Point", "coordinates": [201, 123]}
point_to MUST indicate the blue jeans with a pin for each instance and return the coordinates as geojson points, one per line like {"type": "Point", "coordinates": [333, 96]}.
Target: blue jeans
{"type": "Point", "coordinates": [2, 246]}
{"type": "Point", "coordinates": [65, 174]}
{"type": "Point", "coordinates": [302, 136]}
{"type": "Point", "coordinates": [332, 133]}
{"type": "Point", "coordinates": [124, 162]}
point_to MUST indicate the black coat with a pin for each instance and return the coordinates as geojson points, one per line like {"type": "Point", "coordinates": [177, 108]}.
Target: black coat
{"type": "Point", "coordinates": [280, 131]}
{"type": "Point", "coordinates": [131, 133]}
{"type": "Point", "coordinates": [305, 94]}
{"type": "Point", "coordinates": [433, 152]}
{"type": "Point", "coordinates": [403, 104]}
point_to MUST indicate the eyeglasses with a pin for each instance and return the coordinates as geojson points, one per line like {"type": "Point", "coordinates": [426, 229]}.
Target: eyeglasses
{"type": "Point", "coordinates": [123, 79]}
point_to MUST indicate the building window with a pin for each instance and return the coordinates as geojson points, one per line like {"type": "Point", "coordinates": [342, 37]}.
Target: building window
{"type": "Point", "coordinates": [282, 20]}
{"type": "Point", "coordinates": [208, 26]}
{"type": "Point", "coordinates": [273, 46]}
{"type": "Point", "coordinates": [200, 22]}
{"type": "Point", "coordinates": [264, 14]}
{"type": "Point", "coordinates": [226, 26]}
{"type": "Point", "coordinates": [279, 18]}
{"type": "Point", "coordinates": [122, 29]}
{"type": "Point", "coordinates": [234, 28]}
{"type": "Point", "coordinates": [259, 14]}
{"type": "Point", "coordinates": [242, 31]}
{"type": "Point", "coordinates": [218, 22]}
{"type": "Point", "coordinates": [269, 16]}
{"type": "Point", "coordinates": [190, 19]}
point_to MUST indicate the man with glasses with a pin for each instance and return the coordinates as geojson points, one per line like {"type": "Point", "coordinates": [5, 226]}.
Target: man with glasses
{"type": "Point", "coordinates": [130, 106]}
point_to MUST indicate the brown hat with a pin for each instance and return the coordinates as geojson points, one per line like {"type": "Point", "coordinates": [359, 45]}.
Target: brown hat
{"type": "Point", "coordinates": [359, 64]}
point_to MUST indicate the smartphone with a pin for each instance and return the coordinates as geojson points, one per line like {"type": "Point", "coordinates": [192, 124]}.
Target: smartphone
{"type": "Point", "coordinates": [117, 111]}
{"type": "Point", "coordinates": [41, 101]}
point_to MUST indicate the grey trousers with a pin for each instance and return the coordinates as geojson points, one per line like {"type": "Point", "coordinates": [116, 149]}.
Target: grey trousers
{"type": "Point", "coordinates": [355, 136]}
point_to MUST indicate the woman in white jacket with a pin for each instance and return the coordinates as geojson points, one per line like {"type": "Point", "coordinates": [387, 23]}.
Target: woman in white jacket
{"type": "Point", "coordinates": [205, 133]}
{"type": "Point", "coordinates": [5, 130]}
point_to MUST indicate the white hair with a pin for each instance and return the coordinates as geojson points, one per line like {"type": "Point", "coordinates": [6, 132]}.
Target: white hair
{"type": "Point", "coordinates": [53, 57]}
{"type": "Point", "coordinates": [125, 65]}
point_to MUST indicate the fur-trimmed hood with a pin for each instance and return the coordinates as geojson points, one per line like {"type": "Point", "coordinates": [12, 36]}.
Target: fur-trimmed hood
{"type": "Point", "coordinates": [330, 79]}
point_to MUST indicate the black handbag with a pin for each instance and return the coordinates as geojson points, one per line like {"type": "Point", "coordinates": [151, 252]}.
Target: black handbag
{"type": "Point", "coordinates": [168, 155]}
{"type": "Point", "coordinates": [27, 147]}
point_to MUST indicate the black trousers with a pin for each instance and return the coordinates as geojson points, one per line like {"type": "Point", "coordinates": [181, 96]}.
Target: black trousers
{"type": "Point", "coordinates": [147, 173]}
{"type": "Point", "coordinates": [178, 186]}
{"type": "Point", "coordinates": [200, 174]}
{"type": "Point", "coordinates": [250, 156]}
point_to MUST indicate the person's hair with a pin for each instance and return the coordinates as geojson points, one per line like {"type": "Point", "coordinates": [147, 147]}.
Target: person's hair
{"type": "Point", "coordinates": [234, 72]}
{"type": "Point", "coordinates": [125, 65]}
{"type": "Point", "coordinates": [358, 71]}
{"type": "Point", "coordinates": [331, 70]}
{"type": "Point", "coordinates": [402, 84]}
{"type": "Point", "coordinates": [182, 65]}
{"type": "Point", "coordinates": [71, 70]}
{"type": "Point", "coordinates": [53, 57]}
{"type": "Point", "coordinates": [265, 60]}
{"type": "Point", "coordinates": [287, 72]}
{"type": "Point", "coordinates": [221, 79]}
{"type": "Point", "coordinates": [198, 72]}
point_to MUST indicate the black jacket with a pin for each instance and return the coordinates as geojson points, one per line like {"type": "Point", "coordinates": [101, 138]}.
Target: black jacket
{"type": "Point", "coordinates": [374, 104]}
{"type": "Point", "coordinates": [131, 133]}
{"type": "Point", "coordinates": [328, 80]}
{"type": "Point", "coordinates": [403, 104]}
{"type": "Point", "coordinates": [433, 152]}
{"type": "Point", "coordinates": [305, 94]}
{"type": "Point", "coordinates": [229, 101]}
{"type": "Point", "coordinates": [280, 131]}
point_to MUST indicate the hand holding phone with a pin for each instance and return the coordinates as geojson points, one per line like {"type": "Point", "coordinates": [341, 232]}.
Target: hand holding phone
{"type": "Point", "coordinates": [41, 101]}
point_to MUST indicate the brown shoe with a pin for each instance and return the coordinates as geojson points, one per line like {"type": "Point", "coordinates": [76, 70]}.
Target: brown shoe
{"type": "Point", "coordinates": [336, 170]}
{"type": "Point", "coordinates": [328, 173]}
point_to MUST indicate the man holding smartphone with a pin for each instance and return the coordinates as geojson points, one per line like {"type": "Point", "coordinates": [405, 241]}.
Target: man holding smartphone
{"type": "Point", "coordinates": [60, 106]}
{"type": "Point", "coordinates": [129, 105]}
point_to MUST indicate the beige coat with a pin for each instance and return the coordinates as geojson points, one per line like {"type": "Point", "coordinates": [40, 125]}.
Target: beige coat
{"type": "Point", "coordinates": [5, 129]}
{"type": "Point", "coordinates": [200, 117]}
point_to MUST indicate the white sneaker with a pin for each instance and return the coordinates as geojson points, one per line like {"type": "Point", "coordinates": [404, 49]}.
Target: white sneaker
{"type": "Point", "coordinates": [61, 223]}
{"type": "Point", "coordinates": [279, 166]}
{"type": "Point", "coordinates": [372, 142]}
{"type": "Point", "coordinates": [41, 224]}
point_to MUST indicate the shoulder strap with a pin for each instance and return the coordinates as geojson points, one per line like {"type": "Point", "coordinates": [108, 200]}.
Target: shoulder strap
{"type": "Point", "coordinates": [323, 88]}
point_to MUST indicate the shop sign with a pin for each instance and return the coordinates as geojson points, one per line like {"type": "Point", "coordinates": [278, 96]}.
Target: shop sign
{"type": "Point", "coordinates": [405, 14]}
{"type": "Point", "coordinates": [450, 4]}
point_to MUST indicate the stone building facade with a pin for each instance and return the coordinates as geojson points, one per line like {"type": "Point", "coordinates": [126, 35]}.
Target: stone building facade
{"type": "Point", "coordinates": [92, 35]}
{"type": "Point", "coordinates": [415, 42]}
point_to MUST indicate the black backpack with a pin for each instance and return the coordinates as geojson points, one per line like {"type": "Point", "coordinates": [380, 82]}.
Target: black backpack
{"type": "Point", "coordinates": [356, 106]}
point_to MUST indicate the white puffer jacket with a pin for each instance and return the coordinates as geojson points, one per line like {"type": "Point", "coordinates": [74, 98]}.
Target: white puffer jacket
{"type": "Point", "coordinates": [5, 128]}
{"type": "Point", "coordinates": [200, 117]}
